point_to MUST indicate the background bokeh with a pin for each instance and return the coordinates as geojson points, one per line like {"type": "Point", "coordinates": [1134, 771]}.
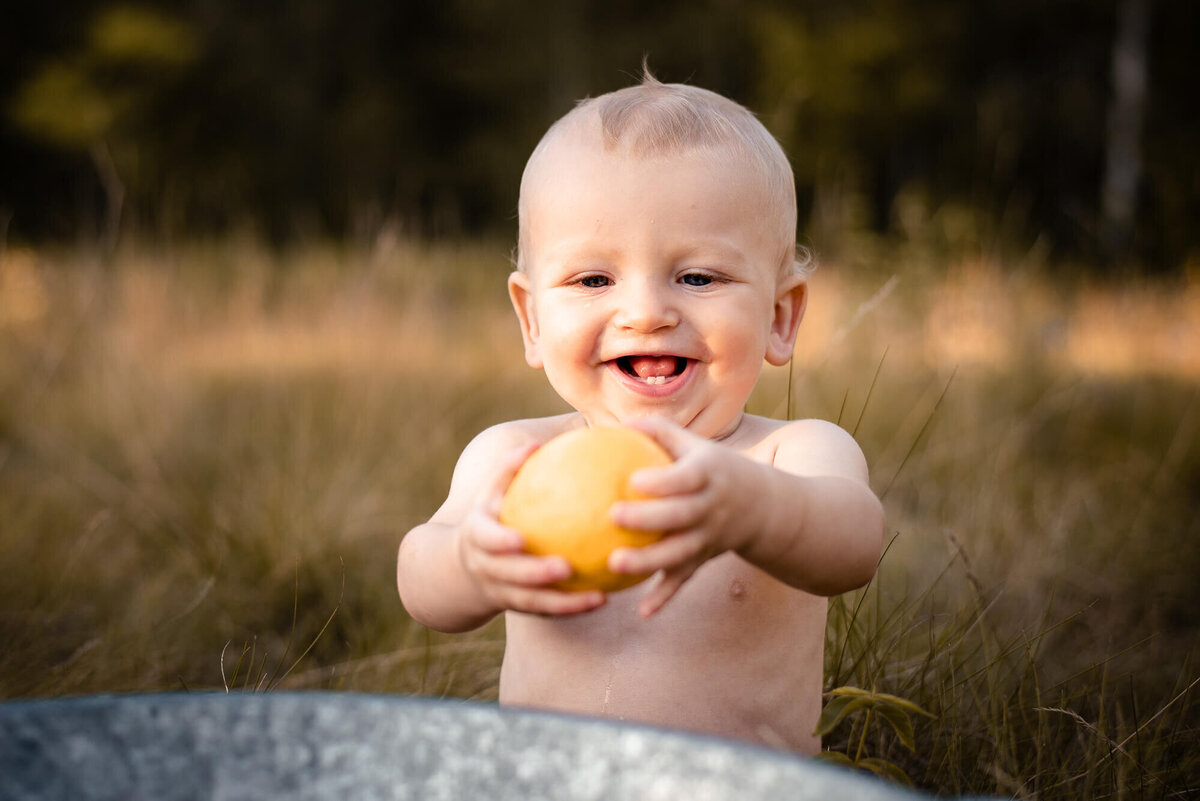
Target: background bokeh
{"type": "Point", "coordinates": [1070, 125]}
{"type": "Point", "coordinates": [252, 307]}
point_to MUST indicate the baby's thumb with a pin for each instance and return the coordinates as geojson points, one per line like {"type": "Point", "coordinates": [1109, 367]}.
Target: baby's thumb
{"type": "Point", "coordinates": [674, 439]}
{"type": "Point", "coordinates": [510, 463]}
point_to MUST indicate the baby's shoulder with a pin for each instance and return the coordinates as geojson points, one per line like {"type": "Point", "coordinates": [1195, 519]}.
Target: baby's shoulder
{"type": "Point", "coordinates": [809, 447]}
{"type": "Point", "coordinates": [486, 455]}
{"type": "Point", "coordinates": [512, 434]}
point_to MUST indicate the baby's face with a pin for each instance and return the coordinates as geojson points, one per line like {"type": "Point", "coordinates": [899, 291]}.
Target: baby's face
{"type": "Point", "coordinates": [653, 285]}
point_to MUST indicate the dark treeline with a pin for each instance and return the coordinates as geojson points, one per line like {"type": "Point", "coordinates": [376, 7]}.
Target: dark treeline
{"type": "Point", "coordinates": [1069, 123]}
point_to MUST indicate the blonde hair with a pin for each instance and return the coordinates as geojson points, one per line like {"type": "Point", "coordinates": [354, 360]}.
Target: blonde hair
{"type": "Point", "coordinates": [655, 119]}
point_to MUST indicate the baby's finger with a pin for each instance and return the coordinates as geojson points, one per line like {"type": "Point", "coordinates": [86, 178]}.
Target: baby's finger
{"type": "Point", "coordinates": [508, 466]}
{"type": "Point", "coordinates": [487, 534]}
{"type": "Point", "coordinates": [524, 570]}
{"type": "Point", "coordinates": [675, 439]}
{"type": "Point", "coordinates": [663, 589]}
{"type": "Point", "coordinates": [659, 514]}
{"type": "Point", "coordinates": [678, 478]}
{"type": "Point", "coordinates": [553, 602]}
{"type": "Point", "coordinates": [670, 552]}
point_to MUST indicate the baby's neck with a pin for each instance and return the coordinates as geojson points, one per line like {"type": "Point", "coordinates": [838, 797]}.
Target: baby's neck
{"type": "Point", "coordinates": [730, 432]}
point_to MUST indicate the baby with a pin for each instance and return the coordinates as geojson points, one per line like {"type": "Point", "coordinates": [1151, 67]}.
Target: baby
{"type": "Point", "coordinates": [656, 271]}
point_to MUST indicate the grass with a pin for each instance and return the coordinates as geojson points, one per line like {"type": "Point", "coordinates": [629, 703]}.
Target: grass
{"type": "Point", "coordinates": [208, 454]}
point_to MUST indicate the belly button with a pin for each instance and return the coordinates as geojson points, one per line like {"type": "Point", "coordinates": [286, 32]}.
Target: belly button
{"type": "Point", "coordinates": [737, 590]}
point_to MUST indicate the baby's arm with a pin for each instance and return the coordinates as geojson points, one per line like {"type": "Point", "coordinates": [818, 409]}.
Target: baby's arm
{"type": "Point", "coordinates": [462, 568]}
{"type": "Point", "coordinates": [809, 518]}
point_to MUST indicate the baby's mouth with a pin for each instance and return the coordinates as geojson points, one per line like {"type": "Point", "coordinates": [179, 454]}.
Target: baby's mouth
{"type": "Point", "coordinates": [653, 370]}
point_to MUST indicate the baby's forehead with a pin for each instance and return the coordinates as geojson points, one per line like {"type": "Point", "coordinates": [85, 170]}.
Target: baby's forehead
{"type": "Point", "coordinates": [586, 131]}
{"type": "Point", "coordinates": [579, 153]}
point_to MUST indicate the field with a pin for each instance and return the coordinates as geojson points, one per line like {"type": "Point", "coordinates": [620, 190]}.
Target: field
{"type": "Point", "coordinates": [209, 453]}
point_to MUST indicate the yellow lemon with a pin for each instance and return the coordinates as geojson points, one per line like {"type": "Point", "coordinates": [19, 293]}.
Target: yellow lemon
{"type": "Point", "coordinates": [560, 499]}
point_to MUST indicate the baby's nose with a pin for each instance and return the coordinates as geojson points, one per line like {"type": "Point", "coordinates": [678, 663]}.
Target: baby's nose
{"type": "Point", "coordinates": [646, 309]}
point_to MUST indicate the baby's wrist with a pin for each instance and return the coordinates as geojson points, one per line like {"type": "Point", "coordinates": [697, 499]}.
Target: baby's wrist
{"type": "Point", "coordinates": [478, 598]}
{"type": "Point", "coordinates": [764, 505]}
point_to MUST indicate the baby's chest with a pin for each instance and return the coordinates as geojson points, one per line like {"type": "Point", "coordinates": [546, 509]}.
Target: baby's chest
{"type": "Point", "coordinates": [730, 601]}
{"type": "Point", "coordinates": [728, 607]}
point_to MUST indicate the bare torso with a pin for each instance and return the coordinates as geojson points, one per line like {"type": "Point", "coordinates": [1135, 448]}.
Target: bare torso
{"type": "Point", "coordinates": [736, 653]}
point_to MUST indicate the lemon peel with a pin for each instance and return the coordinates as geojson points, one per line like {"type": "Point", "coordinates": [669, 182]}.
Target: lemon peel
{"type": "Point", "coordinates": [560, 498]}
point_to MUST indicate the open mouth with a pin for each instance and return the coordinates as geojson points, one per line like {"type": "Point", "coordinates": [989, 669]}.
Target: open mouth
{"type": "Point", "coordinates": [653, 370]}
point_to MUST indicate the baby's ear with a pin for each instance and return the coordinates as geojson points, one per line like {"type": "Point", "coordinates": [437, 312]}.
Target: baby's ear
{"type": "Point", "coordinates": [520, 290]}
{"type": "Point", "coordinates": [790, 302]}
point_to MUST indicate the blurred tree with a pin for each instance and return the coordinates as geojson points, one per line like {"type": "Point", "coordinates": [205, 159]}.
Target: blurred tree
{"type": "Point", "coordinates": [1039, 74]}
{"type": "Point", "coordinates": [37, 181]}
{"type": "Point", "coordinates": [309, 117]}
{"type": "Point", "coordinates": [857, 92]}
{"type": "Point", "coordinates": [89, 97]}
{"type": "Point", "coordinates": [1168, 207]}
{"type": "Point", "coordinates": [1126, 111]}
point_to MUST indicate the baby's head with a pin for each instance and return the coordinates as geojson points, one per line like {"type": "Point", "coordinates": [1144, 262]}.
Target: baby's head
{"type": "Point", "coordinates": [655, 120]}
{"type": "Point", "coordinates": [657, 257]}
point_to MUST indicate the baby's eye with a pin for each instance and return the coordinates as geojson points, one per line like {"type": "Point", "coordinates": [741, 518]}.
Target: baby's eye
{"type": "Point", "coordinates": [696, 279]}
{"type": "Point", "coordinates": [594, 281]}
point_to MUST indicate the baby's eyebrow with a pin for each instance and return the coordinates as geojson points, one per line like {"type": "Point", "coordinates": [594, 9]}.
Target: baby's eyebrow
{"type": "Point", "coordinates": [708, 251]}
{"type": "Point", "coordinates": [580, 251]}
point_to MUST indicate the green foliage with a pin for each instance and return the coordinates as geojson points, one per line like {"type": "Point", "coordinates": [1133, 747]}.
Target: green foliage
{"type": "Point", "coordinates": [331, 118]}
{"type": "Point", "coordinates": [895, 711]}
{"type": "Point", "coordinates": [63, 104]}
{"type": "Point", "coordinates": [847, 701]}
{"type": "Point", "coordinates": [76, 99]}
{"type": "Point", "coordinates": [140, 37]}
{"type": "Point", "coordinates": [209, 452]}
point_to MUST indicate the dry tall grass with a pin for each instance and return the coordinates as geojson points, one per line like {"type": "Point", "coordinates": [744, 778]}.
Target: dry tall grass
{"type": "Point", "coordinates": [208, 454]}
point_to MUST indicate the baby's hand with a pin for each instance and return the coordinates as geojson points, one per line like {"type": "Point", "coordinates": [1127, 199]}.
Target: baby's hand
{"type": "Point", "coordinates": [704, 501]}
{"type": "Point", "coordinates": [493, 556]}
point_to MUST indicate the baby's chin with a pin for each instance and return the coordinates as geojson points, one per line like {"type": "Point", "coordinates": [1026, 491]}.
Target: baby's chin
{"type": "Point", "coordinates": [701, 424]}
